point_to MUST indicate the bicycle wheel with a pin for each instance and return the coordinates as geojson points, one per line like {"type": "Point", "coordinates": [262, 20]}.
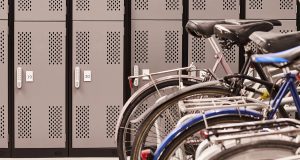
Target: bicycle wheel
{"type": "Point", "coordinates": [259, 150]}
{"type": "Point", "coordinates": [186, 143]}
{"type": "Point", "coordinates": [164, 118]}
{"type": "Point", "coordinates": [127, 130]}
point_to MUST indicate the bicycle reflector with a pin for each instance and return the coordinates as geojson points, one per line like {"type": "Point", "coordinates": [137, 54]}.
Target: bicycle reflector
{"type": "Point", "coordinates": [147, 154]}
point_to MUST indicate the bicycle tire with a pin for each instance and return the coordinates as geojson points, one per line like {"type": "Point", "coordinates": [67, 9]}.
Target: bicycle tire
{"type": "Point", "coordinates": [149, 120]}
{"type": "Point", "coordinates": [196, 127]}
{"type": "Point", "coordinates": [121, 135]}
{"type": "Point", "coordinates": [270, 144]}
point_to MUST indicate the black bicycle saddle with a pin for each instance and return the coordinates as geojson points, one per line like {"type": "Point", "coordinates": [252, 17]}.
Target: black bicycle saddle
{"type": "Point", "coordinates": [239, 34]}
{"type": "Point", "coordinates": [270, 42]}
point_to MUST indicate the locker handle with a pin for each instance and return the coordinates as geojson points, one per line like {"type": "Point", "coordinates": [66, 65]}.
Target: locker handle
{"type": "Point", "coordinates": [77, 77]}
{"type": "Point", "coordinates": [19, 77]}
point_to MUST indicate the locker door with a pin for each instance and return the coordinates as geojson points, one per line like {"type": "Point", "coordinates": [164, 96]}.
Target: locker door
{"type": "Point", "coordinates": [98, 10]}
{"type": "Point", "coordinates": [214, 9]}
{"type": "Point", "coordinates": [3, 9]}
{"type": "Point", "coordinates": [39, 112]}
{"type": "Point", "coordinates": [3, 84]}
{"type": "Point", "coordinates": [156, 9]}
{"type": "Point", "coordinates": [46, 10]}
{"type": "Point", "coordinates": [97, 82]}
{"type": "Point", "coordinates": [276, 9]}
{"type": "Point", "coordinates": [156, 45]}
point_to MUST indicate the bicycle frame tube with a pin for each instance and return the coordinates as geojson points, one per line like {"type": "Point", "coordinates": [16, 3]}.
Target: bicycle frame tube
{"type": "Point", "coordinates": [287, 86]}
{"type": "Point", "coordinates": [198, 118]}
{"type": "Point", "coordinates": [220, 57]}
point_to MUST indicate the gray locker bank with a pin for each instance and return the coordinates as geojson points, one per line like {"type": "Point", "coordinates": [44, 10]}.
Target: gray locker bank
{"type": "Point", "coordinates": [64, 63]}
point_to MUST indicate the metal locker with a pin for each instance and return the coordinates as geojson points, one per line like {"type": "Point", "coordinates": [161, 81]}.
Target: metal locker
{"type": "Point", "coordinates": [3, 9]}
{"type": "Point", "coordinates": [214, 9]}
{"type": "Point", "coordinates": [275, 9]}
{"type": "Point", "coordinates": [40, 78]}
{"type": "Point", "coordinates": [287, 26]}
{"type": "Point", "coordinates": [98, 10]}
{"type": "Point", "coordinates": [203, 55]}
{"type": "Point", "coordinates": [97, 82]}
{"type": "Point", "coordinates": [156, 45]}
{"type": "Point", "coordinates": [3, 84]}
{"type": "Point", "coordinates": [46, 10]}
{"type": "Point", "coordinates": [156, 9]}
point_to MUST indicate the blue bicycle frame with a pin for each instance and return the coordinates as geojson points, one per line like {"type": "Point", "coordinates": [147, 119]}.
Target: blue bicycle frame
{"type": "Point", "coordinates": [287, 86]}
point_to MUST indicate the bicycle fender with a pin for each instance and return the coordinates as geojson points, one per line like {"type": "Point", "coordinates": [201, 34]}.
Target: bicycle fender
{"type": "Point", "coordinates": [190, 122]}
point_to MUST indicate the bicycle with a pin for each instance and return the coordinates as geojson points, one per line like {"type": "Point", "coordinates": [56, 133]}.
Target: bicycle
{"type": "Point", "coordinates": [196, 123]}
{"type": "Point", "coordinates": [135, 107]}
{"type": "Point", "coordinates": [159, 109]}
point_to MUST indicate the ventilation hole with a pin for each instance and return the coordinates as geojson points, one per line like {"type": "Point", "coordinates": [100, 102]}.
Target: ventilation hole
{"type": "Point", "coordinates": [55, 5]}
{"type": "Point", "coordinates": [198, 50]}
{"type": "Point", "coordinates": [252, 46]}
{"type": "Point", "coordinates": [55, 122]}
{"type": "Point", "coordinates": [138, 112]}
{"type": "Point", "coordinates": [24, 48]}
{"type": "Point", "coordinates": [255, 4]}
{"type": "Point", "coordinates": [113, 5]}
{"type": "Point", "coordinates": [55, 48]}
{"type": "Point", "coordinates": [113, 47]}
{"type": "Point", "coordinates": [24, 5]}
{"type": "Point", "coordinates": [141, 4]}
{"type": "Point", "coordinates": [2, 122]}
{"type": "Point", "coordinates": [169, 117]}
{"type": "Point", "coordinates": [141, 46]}
{"type": "Point", "coordinates": [199, 4]}
{"type": "Point", "coordinates": [82, 122]}
{"type": "Point", "coordinates": [284, 31]}
{"type": "Point", "coordinates": [24, 122]}
{"type": "Point", "coordinates": [2, 4]}
{"type": "Point", "coordinates": [172, 46]}
{"type": "Point", "coordinates": [286, 4]}
{"type": "Point", "coordinates": [172, 4]}
{"type": "Point", "coordinates": [82, 47]}
{"type": "Point", "coordinates": [2, 47]}
{"type": "Point", "coordinates": [230, 55]}
{"type": "Point", "coordinates": [112, 114]}
{"type": "Point", "coordinates": [82, 5]}
{"type": "Point", "coordinates": [230, 4]}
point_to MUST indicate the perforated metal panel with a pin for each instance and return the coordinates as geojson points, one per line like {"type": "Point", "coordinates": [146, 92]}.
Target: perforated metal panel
{"type": "Point", "coordinates": [112, 114]}
{"type": "Point", "coordinates": [214, 9]}
{"type": "Point", "coordinates": [98, 10]}
{"type": "Point", "coordinates": [3, 84]}
{"type": "Point", "coordinates": [96, 103]}
{"type": "Point", "coordinates": [203, 55]}
{"type": "Point", "coordinates": [156, 9]}
{"type": "Point", "coordinates": [287, 26]}
{"type": "Point", "coordinates": [276, 9]}
{"type": "Point", "coordinates": [156, 45]}
{"type": "Point", "coordinates": [45, 10]}
{"type": "Point", "coordinates": [40, 104]}
{"type": "Point", "coordinates": [3, 9]}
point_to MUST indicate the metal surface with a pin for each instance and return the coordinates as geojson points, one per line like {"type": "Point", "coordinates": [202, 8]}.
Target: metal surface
{"type": "Point", "coordinates": [201, 53]}
{"type": "Point", "coordinates": [271, 9]}
{"type": "Point", "coordinates": [156, 9]}
{"type": "Point", "coordinates": [98, 9]}
{"type": "Point", "coordinates": [156, 45]}
{"type": "Point", "coordinates": [97, 103]}
{"type": "Point", "coordinates": [39, 117]}
{"type": "Point", "coordinates": [3, 84]}
{"type": "Point", "coordinates": [3, 9]}
{"type": "Point", "coordinates": [40, 10]}
{"type": "Point", "coordinates": [214, 9]}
